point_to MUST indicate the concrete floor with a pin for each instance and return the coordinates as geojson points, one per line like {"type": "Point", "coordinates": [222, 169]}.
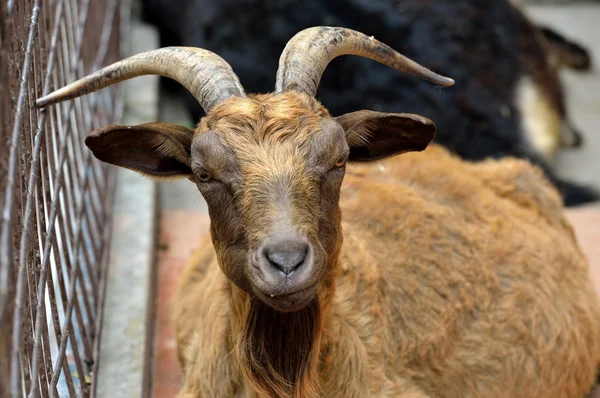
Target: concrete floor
{"type": "Point", "coordinates": [184, 219]}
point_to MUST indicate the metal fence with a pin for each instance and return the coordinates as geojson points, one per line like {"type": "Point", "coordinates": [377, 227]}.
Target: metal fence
{"type": "Point", "coordinates": [55, 197]}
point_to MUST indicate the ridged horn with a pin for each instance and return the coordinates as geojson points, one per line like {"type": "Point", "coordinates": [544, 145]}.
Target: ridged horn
{"type": "Point", "coordinates": [207, 76]}
{"type": "Point", "coordinates": [308, 53]}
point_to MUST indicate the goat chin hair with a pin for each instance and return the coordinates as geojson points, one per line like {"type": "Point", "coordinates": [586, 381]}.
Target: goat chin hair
{"type": "Point", "coordinates": [279, 349]}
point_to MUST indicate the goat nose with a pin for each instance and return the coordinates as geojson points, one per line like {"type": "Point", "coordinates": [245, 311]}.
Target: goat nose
{"type": "Point", "coordinates": [286, 255]}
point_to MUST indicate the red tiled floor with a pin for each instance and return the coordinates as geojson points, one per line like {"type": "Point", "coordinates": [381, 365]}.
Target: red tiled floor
{"type": "Point", "coordinates": [586, 222]}
{"type": "Point", "coordinates": [181, 231]}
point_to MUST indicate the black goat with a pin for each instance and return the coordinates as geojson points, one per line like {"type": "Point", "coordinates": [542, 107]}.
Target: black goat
{"type": "Point", "coordinates": [507, 101]}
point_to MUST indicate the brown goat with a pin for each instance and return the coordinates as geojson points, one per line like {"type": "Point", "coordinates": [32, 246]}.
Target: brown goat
{"type": "Point", "coordinates": [454, 279]}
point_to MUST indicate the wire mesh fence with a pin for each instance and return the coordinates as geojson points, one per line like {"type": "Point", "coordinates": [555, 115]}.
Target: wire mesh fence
{"type": "Point", "coordinates": [55, 197]}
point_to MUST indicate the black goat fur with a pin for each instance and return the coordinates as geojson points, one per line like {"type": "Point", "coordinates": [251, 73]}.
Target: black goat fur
{"type": "Point", "coordinates": [485, 45]}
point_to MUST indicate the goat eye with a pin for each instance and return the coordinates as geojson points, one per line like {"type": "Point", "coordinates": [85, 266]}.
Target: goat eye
{"type": "Point", "coordinates": [204, 176]}
{"type": "Point", "coordinates": [341, 161]}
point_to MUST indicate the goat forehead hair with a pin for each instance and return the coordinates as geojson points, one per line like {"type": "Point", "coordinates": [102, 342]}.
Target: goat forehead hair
{"type": "Point", "coordinates": [266, 119]}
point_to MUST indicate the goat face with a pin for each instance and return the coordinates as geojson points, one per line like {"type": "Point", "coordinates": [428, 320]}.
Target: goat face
{"type": "Point", "coordinates": [270, 168]}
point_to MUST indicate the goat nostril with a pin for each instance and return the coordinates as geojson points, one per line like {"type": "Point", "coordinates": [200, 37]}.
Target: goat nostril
{"type": "Point", "coordinates": [287, 257]}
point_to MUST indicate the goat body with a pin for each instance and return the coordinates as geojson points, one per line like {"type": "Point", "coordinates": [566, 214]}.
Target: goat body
{"type": "Point", "coordinates": [454, 280]}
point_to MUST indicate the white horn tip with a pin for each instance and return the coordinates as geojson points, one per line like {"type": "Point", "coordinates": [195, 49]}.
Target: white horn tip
{"type": "Point", "coordinates": [448, 82]}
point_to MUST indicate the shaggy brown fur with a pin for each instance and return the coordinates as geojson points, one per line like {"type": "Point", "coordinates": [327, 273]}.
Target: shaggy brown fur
{"type": "Point", "coordinates": [454, 279]}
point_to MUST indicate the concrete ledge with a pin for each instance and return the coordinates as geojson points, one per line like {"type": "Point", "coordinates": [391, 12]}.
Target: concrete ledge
{"type": "Point", "coordinates": [126, 341]}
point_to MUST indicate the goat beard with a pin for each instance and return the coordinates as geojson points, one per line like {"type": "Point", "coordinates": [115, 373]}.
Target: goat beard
{"type": "Point", "coordinates": [279, 352]}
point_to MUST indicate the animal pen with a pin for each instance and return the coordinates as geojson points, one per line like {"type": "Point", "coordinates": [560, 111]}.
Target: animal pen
{"type": "Point", "coordinates": [55, 196]}
{"type": "Point", "coordinates": [62, 215]}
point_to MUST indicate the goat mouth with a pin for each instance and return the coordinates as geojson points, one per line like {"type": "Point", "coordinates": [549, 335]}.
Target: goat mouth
{"type": "Point", "coordinates": [289, 302]}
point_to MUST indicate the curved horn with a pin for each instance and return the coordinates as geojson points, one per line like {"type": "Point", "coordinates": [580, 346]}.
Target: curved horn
{"type": "Point", "coordinates": [206, 75]}
{"type": "Point", "coordinates": [308, 53]}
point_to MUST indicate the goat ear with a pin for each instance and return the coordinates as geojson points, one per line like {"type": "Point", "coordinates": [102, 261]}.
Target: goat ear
{"type": "Point", "coordinates": [568, 54]}
{"type": "Point", "coordinates": [157, 149]}
{"type": "Point", "coordinates": [374, 135]}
